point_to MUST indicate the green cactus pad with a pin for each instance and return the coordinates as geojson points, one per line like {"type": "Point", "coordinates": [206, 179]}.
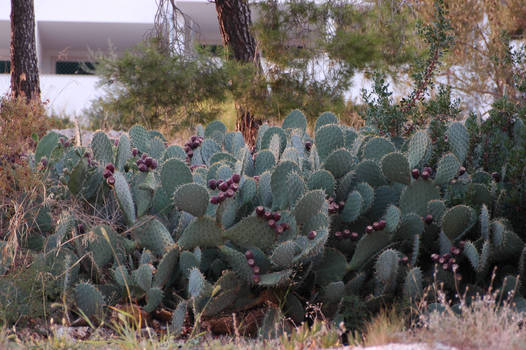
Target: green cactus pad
{"type": "Point", "coordinates": [331, 268]}
{"type": "Point", "coordinates": [196, 283]}
{"type": "Point", "coordinates": [458, 139]}
{"type": "Point", "coordinates": [415, 197]}
{"type": "Point", "coordinates": [410, 226]}
{"type": "Point", "coordinates": [447, 168]}
{"type": "Point", "coordinates": [264, 161]}
{"type": "Point", "coordinates": [238, 263]}
{"type": "Point", "coordinates": [122, 277]}
{"type": "Point", "coordinates": [284, 253]}
{"type": "Point", "coordinates": [174, 173]}
{"type": "Point", "coordinates": [278, 183]}
{"type": "Point", "coordinates": [417, 148]}
{"type": "Point", "coordinates": [322, 180]}
{"type": "Point", "coordinates": [201, 232]}
{"type": "Point", "coordinates": [290, 154]}
{"type": "Point", "coordinates": [369, 171]}
{"type": "Point", "coordinates": [367, 193]}
{"type": "Point", "coordinates": [103, 243]}
{"type": "Point", "coordinates": [153, 235]}
{"type": "Point", "coordinates": [248, 190]}
{"type": "Point", "coordinates": [208, 148]}
{"type": "Point", "coordinates": [311, 248]}
{"type": "Point", "coordinates": [124, 197]}
{"type": "Point", "coordinates": [295, 120]}
{"type": "Point", "coordinates": [339, 163]}
{"type": "Point", "coordinates": [333, 292]}
{"type": "Point", "coordinates": [484, 222]}
{"type": "Point", "coordinates": [482, 177]}
{"type": "Point", "coordinates": [123, 152]}
{"type": "Point", "coordinates": [140, 138]}
{"type": "Point", "coordinates": [392, 218]}
{"type": "Point", "coordinates": [328, 139]}
{"type": "Point", "coordinates": [296, 188]}
{"type": "Point", "coordinates": [350, 135]}
{"type": "Point", "coordinates": [222, 157]}
{"type": "Point", "coordinates": [174, 151]}
{"type": "Point", "coordinates": [413, 284]}
{"type": "Point", "coordinates": [386, 268]}
{"type": "Point", "coordinates": [317, 222]}
{"type": "Point", "coordinates": [178, 318]}
{"type": "Point", "coordinates": [102, 148]}
{"type": "Point", "coordinates": [269, 135]}
{"type": "Point", "coordinates": [368, 246]}
{"type": "Point", "coordinates": [226, 213]}
{"type": "Point", "coordinates": [89, 299]}
{"type": "Point", "coordinates": [264, 189]}
{"type": "Point", "coordinates": [324, 119]}
{"type": "Point", "coordinates": [308, 206]}
{"type": "Point", "coordinates": [383, 197]}
{"type": "Point", "coordinates": [457, 221]}
{"type": "Point", "coordinates": [395, 168]}
{"type": "Point", "coordinates": [224, 172]}
{"type": "Point", "coordinates": [154, 297]}
{"type": "Point", "coordinates": [377, 147]}
{"type": "Point", "coordinates": [252, 231]}
{"type": "Point", "coordinates": [187, 261]}
{"type": "Point", "coordinates": [344, 186]}
{"type": "Point", "coordinates": [156, 148]}
{"type": "Point", "coordinates": [436, 208]}
{"type": "Point", "coordinates": [161, 201]}
{"type": "Point", "coordinates": [275, 279]}
{"type": "Point", "coordinates": [192, 198]}
{"type": "Point", "coordinates": [234, 142]}
{"type": "Point", "coordinates": [46, 145]}
{"type": "Point", "coordinates": [480, 194]}
{"type": "Point", "coordinates": [470, 251]}
{"type": "Point", "coordinates": [213, 127]}
{"type": "Point", "coordinates": [143, 277]}
{"type": "Point", "coordinates": [166, 268]}
{"type": "Point", "coordinates": [353, 207]}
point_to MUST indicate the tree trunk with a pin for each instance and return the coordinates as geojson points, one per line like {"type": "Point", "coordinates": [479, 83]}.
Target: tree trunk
{"type": "Point", "coordinates": [234, 24]}
{"type": "Point", "coordinates": [24, 68]}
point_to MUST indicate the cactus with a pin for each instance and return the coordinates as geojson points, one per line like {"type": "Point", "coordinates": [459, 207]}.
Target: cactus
{"type": "Point", "coordinates": [89, 300]}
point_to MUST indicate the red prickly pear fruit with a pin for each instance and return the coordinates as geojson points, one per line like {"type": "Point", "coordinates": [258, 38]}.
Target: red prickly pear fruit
{"type": "Point", "coordinates": [249, 254]}
{"type": "Point", "coordinates": [110, 180]}
{"type": "Point", "coordinates": [110, 167]}
{"type": "Point", "coordinates": [271, 223]}
{"type": "Point", "coordinates": [441, 260]}
{"type": "Point", "coordinates": [461, 171]}
{"type": "Point", "coordinates": [435, 257]}
{"type": "Point", "coordinates": [425, 174]}
{"type": "Point", "coordinates": [87, 155]}
{"type": "Point", "coordinates": [223, 186]}
{"type": "Point", "coordinates": [354, 236]}
{"type": "Point", "coordinates": [256, 270]}
{"type": "Point", "coordinates": [369, 229]}
{"type": "Point", "coordinates": [229, 193]}
{"type": "Point", "coordinates": [116, 142]}
{"type": "Point", "coordinates": [338, 234]}
{"type": "Point", "coordinates": [276, 216]}
{"type": "Point", "coordinates": [267, 215]}
{"type": "Point", "coordinates": [405, 260]}
{"type": "Point", "coordinates": [190, 154]}
{"type": "Point", "coordinates": [144, 156]}
{"type": "Point", "coordinates": [308, 145]}
{"type": "Point", "coordinates": [496, 176]}
{"type": "Point", "coordinates": [135, 151]}
{"type": "Point", "coordinates": [154, 164]}
{"type": "Point", "coordinates": [279, 229]}
{"type": "Point", "coordinates": [312, 235]}
{"type": "Point", "coordinates": [415, 173]}
{"type": "Point", "coordinates": [445, 267]}
{"type": "Point", "coordinates": [43, 161]}
{"type": "Point", "coordinates": [461, 244]}
{"type": "Point", "coordinates": [221, 196]}
{"type": "Point", "coordinates": [376, 226]}
{"type": "Point", "coordinates": [212, 183]}
{"type": "Point", "coordinates": [148, 161]}
{"type": "Point", "coordinates": [346, 233]}
{"type": "Point", "coordinates": [256, 278]}
{"type": "Point", "coordinates": [236, 178]}
{"type": "Point", "coordinates": [234, 187]}
{"type": "Point", "coordinates": [428, 219]}
{"type": "Point", "coordinates": [214, 200]}
{"type": "Point", "coordinates": [341, 204]}
{"type": "Point", "coordinates": [251, 262]}
{"type": "Point", "coordinates": [193, 138]}
{"type": "Point", "coordinates": [260, 211]}
{"type": "Point", "coordinates": [382, 224]}
{"type": "Point", "coordinates": [143, 168]}
{"type": "Point", "coordinates": [230, 182]}
{"type": "Point", "coordinates": [106, 173]}
{"type": "Point", "coordinates": [285, 226]}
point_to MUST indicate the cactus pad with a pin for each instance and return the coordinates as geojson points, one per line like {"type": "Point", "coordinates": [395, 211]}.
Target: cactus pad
{"type": "Point", "coordinates": [395, 168]}
{"type": "Point", "coordinates": [102, 148]}
{"type": "Point", "coordinates": [353, 207]}
{"type": "Point", "coordinates": [377, 147]}
{"type": "Point", "coordinates": [173, 174]}
{"type": "Point", "coordinates": [308, 206]}
{"type": "Point", "coordinates": [192, 198]}
{"type": "Point", "coordinates": [368, 246]}
{"type": "Point", "coordinates": [339, 162]}
{"type": "Point", "coordinates": [89, 299]}
{"type": "Point", "coordinates": [124, 197]}
{"type": "Point", "coordinates": [322, 180]}
{"type": "Point", "coordinates": [417, 148]}
{"type": "Point", "coordinates": [153, 235]}
{"type": "Point", "coordinates": [415, 197]}
{"type": "Point", "coordinates": [295, 120]}
{"type": "Point", "coordinates": [252, 231]}
{"type": "Point", "coordinates": [447, 168]}
{"type": "Point", "coordinates": [369, 171]}
{"type": "Point", "coordinates": [324, 119]}
{"type": "Point", "coordinates": [458, 138]}
{"type": "Point", "coordinates": [328, 139]}
{"type": "Point", "coordinates": [457, 221]}
{"type": "Point", "coordinates": [201, 232]}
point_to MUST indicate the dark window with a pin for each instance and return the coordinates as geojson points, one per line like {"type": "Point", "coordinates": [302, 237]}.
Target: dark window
{"type": "Point", "coordinates": [5, 66]}
{"type": "Point", "coordinates": [72, 67]}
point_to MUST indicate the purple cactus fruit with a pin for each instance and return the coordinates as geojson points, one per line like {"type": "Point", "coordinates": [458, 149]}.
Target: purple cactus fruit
{"type": "Point", "coordinates": [221, 196]}
{"type": "Point", "coordinates": [441, 260]}
{"type": "Point", "coordinates": [330, 199]}
{"type": "Point", "coordinates": [154, 164]}
{"type": "Point", "coordinates": [110, 181]}
{"type": "Point", "coordinates": [312, 235]}
{"type": "Point", "coordinates": [454, 250]}
{"type": "Point", "coordinates": [271, 223]}
{"type": "Point", "coordinates": [454, 267]}
{"type": "Point", "coordinates": [376, 226]}
{"type": "Point", "coordinates": [461, 171]}
{"type": "Point", "coordinates": [190, 154]}
{"type": "Point", "coordinates": [279, 229]}
{"type": "Point", "coordinates": [260, 210]}
{"type": "Point", "coordinates": [43, 161]}
{"type": "Point", "coordinates": [223, 186]}
{"type": "Point", "coordinates": [87, 155]}
{"type": "Point", "coordinates": [230, 182]}
{"type": "Point", "coordinates": [187, 148]}
{"type": "Point", "coordinates": [428, 219]}
{"type": "Point", "coordinates": [452, 260]}
{"type": "Point", "coordinates": [447, 256]}
{"type": "Point", "coordinates": [404, 260]}
{"type": "Point", "coordinates": [354, 236]}
{"type": "Point", "coordinates": [338, 235]}
{"type": "Point", "coordinates": [143, 168]}
{"type": "Point", "coordinates": [116, 142]}
{"type": "Point", "coordinates": [256, 278]}
{"type": "Point", "coordinates": [346, 233]}
{"type": "Point", "coordinates": [276, 216]}
{"type": "Point", "coordinates": [267, 215]}
{"type": "Point", "coordinates": [452, 181]}
{"type": "Point", "coordinates": [445, 267]}
{"type": "Point", "coordinates": [148, 161]}
{"type": "Point", "coordinates": [62, 140]}
{"type": "Point", "coordinates": [256, 178]}
{"type": "Point", "coordinates": [415, 173]}
{"type": "Point", "coordinates": [193, 138]}
{"type": "Point", "coordinates": [308, 145]}
{"type": "Point", "coordinates": [249, 254]}
{"type": "Point", "coordinates": [219, 182]}
{"type": "Point", "coordinates": [256, 270]}
{"type": "Point", "coordinates": [106, 173]}
{"type": "Point", "coordinates": [251, 262]}
{"type": "Point", "coordinates": [144, 156]}
{"type": "Point", "coordinates": [382, 224]}
{"type": "Point", "coordinates": [236, 178]}
{"type": "Point", "coordinates": [461, 244]}
{"type": "Point", "coordinates": [214, 199]}
{"type": "Point", "coordinates": [135, 151]}
{"type": "Point", "coordinates": [341, 204]}
{"type": "Point", "coordinates": [429, 170]}
{"type": "Point", "coordinates": [234, 187]}
{"type": "Point", "coordinates": [139, 162]}
{"type": "Point", "coordinates": [110, 167]}
{"type": "Point", "coordinates": [229, 193]}
{"type": "Point", "coordinates": [496, 176]}
{"type": "Point", "coordinates": [435, 257]}
{"type": "Point", "coordinates": [425, 174]}
{"type": "Point", "coordinates": [369, 229]}
{"type": "Point", "coordinates": [285, 226]}
{"type": "Point", "coordinates": [212, 183]}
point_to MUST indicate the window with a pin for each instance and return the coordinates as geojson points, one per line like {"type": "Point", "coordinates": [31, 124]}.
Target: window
{"type": "Point", "coordinates": [5, 67]}
{"type": "Point", "coordinates": [74, 67]}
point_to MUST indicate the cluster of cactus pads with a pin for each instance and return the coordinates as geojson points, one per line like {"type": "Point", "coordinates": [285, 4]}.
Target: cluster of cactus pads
{"type": "Point", "coordinates": [314, 219]}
